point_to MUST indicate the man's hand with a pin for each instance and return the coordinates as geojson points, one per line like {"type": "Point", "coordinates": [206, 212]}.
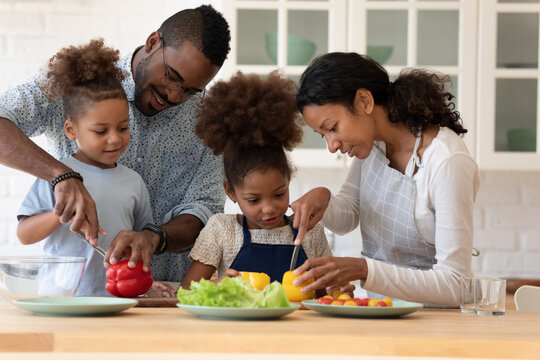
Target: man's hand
{"type": "Point", "coordinates": [74, 203]}
{"type": "Point", "coordinates": [137, 245]}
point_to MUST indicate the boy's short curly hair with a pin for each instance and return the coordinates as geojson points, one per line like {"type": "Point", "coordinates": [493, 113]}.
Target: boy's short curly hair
{"type": "Point", "coordinates": [84, 74]}
{"type": "Point", "coordinates": [250, 120]}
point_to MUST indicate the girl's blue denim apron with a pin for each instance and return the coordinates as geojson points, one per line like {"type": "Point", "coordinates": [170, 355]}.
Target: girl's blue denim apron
{"type": "Point", "coordinates": [272, 259]}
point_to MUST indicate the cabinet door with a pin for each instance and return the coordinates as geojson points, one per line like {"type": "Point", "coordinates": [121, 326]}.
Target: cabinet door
{"type": "Point", "coordinates": [508, 84]}
{"type": "Point", "coordinates": [438, 35]}
{"type": "Point", "coordinates": [284, 34]}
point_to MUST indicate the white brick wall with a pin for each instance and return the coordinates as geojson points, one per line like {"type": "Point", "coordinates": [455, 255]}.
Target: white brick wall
{"type": "Point", "coordinates": [507, 226]}
{"type": "Point", "coordinates": [507, 229]}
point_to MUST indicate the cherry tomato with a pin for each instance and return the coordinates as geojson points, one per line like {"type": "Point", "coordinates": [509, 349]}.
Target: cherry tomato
{"type": "Point", "coordinates": [325, 300]}
{"type": "Point", "coordinates": [361, 302]}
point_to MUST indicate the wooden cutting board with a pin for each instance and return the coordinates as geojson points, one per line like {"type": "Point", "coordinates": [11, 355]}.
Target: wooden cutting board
{"type": "Point", "coordinates": [171, 302]}
{"type": "Point", "coordinates": [156, 302]}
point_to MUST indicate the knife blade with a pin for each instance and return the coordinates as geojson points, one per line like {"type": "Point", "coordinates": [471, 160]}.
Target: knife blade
{"type": "Point", "coordinates": [97, 248]}
{"type": "Point", "coordinates": [294, 257]}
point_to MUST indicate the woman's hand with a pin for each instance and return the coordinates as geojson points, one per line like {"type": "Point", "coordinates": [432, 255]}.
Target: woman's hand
{"type": "Point", "coordinates": [346, 288]}
{"type": "Point", "coordinates": [309, 210]}
{"type": "Point", "coordinates": [331, 271]}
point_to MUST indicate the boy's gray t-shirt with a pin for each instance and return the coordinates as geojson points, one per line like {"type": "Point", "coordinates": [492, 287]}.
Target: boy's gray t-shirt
{"type": "Point", "coordinates": [122, 203]}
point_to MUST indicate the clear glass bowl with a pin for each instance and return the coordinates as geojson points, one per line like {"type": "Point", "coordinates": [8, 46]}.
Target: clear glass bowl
{"type": "Point", "coordinates": [39, 276]}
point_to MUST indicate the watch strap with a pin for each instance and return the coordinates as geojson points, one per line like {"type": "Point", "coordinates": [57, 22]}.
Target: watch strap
{"type": "Point", "coordinates": [163, 240]}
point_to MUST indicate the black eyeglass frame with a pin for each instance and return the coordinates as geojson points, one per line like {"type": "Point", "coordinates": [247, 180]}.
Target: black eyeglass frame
{"type": "Point", "coordinates": [174, 84]}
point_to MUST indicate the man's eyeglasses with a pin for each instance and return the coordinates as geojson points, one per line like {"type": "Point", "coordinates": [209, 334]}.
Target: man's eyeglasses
{"type": "Point", "coordinates": [174, 84]}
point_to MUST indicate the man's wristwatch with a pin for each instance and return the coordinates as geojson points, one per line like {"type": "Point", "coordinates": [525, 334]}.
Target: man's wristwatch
{"type": "Point", "coordinates": [163, 241]}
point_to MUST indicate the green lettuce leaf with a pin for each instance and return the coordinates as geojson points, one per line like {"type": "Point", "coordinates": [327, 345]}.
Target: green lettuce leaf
{"type": "Point", "coordinates": [233, 292]}
{"type": "Point", "coordinates": [274, 296]}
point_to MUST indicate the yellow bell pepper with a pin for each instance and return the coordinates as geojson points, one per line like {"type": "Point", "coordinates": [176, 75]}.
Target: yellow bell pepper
{"type": "Point", "coordinates": [255, 279]}
{"type": "Point", "coordinates": [293, 292]}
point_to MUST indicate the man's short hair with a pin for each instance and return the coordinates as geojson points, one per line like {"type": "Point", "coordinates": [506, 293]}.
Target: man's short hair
{"type": "Point", "coordinates": [204, 27]}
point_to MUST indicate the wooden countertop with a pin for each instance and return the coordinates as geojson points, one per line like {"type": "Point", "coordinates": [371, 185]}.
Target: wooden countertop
{"type": "Point", "coordinates": [428, 332]}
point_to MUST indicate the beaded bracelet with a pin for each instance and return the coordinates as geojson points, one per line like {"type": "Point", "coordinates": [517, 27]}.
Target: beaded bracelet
{"type": "Point", "coordinates": [68, 175]}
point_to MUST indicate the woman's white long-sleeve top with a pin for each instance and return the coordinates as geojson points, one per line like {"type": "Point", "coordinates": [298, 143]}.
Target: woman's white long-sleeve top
{"type": "Point", "coordinates": [446, 187]}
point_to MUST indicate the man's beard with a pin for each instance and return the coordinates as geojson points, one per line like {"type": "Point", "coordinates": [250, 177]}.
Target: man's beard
{"type": "Point", "coordinates": [141, 80]}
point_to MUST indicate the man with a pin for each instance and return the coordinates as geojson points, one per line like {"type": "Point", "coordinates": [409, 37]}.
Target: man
{"type": "Point", "coordinates": [164, 78]}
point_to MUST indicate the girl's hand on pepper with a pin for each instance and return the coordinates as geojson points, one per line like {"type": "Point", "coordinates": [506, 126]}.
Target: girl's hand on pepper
{"type": "Point", "coordinates": [228, 273]}
{"type": "Point", "coordinates": [232, 273]}
{"type": "Point", "coordinates": [309, 210]}
{"type": "Point", "coordinates": [330, 271]}
{"type": "Point", "coordinates": [160, 289]}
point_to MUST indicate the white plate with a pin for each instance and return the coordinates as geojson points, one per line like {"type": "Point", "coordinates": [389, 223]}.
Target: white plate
{"type": "Point", "coordinates": [75, 306]}
{"type": "Point", "coordinates": [398, 308]}
{"type": "Point", "coordinates": [233, 313]}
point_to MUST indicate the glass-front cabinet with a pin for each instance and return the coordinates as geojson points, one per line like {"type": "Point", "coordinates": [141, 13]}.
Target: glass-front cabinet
{"type": "Point", "coordinates": [283, 34]}
{"type": "Point", "coordinates": [437, 35]}
{"type": "Point", "coordinates": [489, 48]}
{"type": "Point", "coordinates": [508, 84]}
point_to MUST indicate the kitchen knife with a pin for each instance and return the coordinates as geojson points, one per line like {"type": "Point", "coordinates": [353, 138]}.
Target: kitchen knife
{"type": "Point", "coordinates": [97, 248]}
{"type": "Point", "coordinates": [294, 257]}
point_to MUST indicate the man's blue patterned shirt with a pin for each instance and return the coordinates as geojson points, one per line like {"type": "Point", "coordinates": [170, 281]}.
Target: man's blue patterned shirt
{"type": "Point", "coordinates": [182, 175]}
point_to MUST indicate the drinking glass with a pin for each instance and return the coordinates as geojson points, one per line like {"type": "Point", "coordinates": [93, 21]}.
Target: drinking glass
{"type": "Point", "coordinates": [491, 296]}
{"type": "Point", "coordinates": [468, 295]}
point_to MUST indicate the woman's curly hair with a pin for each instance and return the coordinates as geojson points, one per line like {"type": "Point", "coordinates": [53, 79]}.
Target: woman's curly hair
{"type": "Point", "coordinates": [417, 97]}
{"type": "Point", "coordinates": [250, 120]}
{"type": "Point", "coordinates": [84, 74]}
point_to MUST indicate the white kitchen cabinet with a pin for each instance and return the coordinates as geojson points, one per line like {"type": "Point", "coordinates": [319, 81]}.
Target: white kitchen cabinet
{"type": "Point", "coordinates": [280, 34]}
{"type": "Point", "coordinates": [438, 35]}
{"type": "Point", "coordinates": [508, 83]}
{"type": "Point", "coordinates": [489, 48]}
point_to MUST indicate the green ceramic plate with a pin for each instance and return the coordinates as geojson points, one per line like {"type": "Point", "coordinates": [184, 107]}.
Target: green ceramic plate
{"type": "Point", "coordinates": [232, 313]}
{"type": "Point", "coordinates": [398, 308]}
{"type": "Point", "coordinates": [75, 306]}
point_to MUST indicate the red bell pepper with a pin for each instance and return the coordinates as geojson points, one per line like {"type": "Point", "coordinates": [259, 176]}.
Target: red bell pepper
{"type": "Point", "coordinates": [122, 281]}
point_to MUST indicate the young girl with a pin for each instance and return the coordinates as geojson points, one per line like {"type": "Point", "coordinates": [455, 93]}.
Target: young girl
{"type": "Point", "coordinates": [97, 119]}
{"type": "Point", "coordinates": [251, 121]}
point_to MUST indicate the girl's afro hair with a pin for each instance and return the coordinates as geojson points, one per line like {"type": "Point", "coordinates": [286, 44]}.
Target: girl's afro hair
{"type": "Point", "coordinates": [249, 111]}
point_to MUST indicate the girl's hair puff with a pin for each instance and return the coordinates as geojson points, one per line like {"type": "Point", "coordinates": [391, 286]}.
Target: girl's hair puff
{"type": "Point", "coordinates": [250, 120]}
{"type": "Point", "coordinates": [82, 75]}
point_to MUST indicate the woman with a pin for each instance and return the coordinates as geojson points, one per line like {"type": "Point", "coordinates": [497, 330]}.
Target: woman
{"type": "Point", "coordinates": [411, 186]}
